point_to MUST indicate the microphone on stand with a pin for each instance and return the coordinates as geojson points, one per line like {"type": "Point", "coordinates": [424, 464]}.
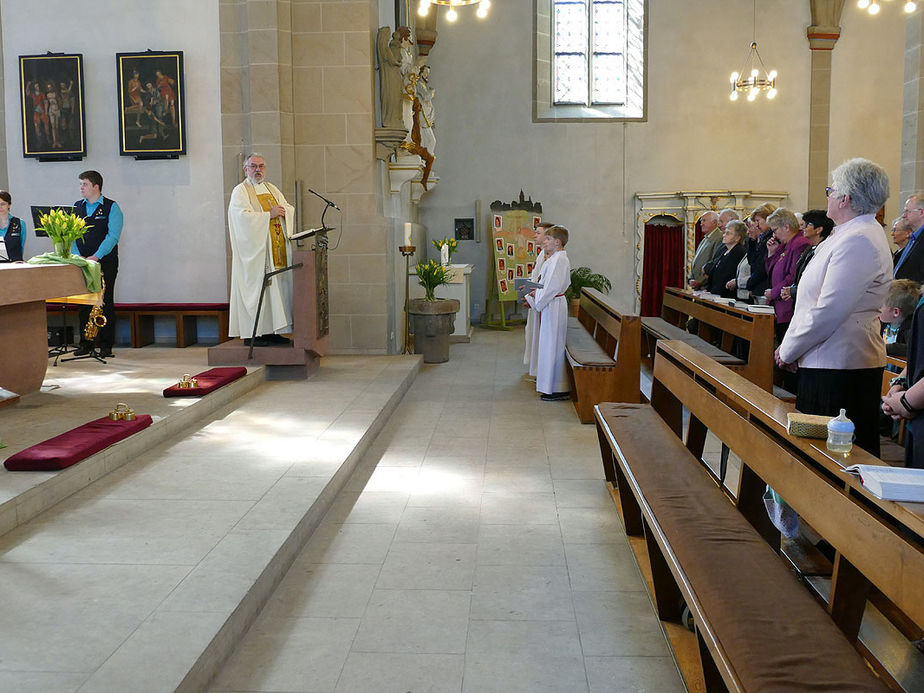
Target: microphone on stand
{"type": "Point", "coordinates": [329, 203]}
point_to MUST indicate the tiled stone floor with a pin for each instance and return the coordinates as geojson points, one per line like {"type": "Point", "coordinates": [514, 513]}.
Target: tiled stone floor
{"type": "Point", "coordinates": [475, 549]}
{"type": "Point", "coordinates": [122, 587]}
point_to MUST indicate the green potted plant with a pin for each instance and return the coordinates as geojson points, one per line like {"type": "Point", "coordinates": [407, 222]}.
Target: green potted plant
{"type": "Point", "coordinates": [581, 277]}
{"type": "Point", "coordinates": [433, 318]}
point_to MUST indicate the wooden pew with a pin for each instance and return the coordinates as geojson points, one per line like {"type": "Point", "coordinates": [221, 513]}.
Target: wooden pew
{"type": "Point", "coordinates": [603, 349]}
{"type": "Point", "coordinates": [701, 536]}
{"type": "Point", "coordinates": [141, 318]}
{"type": "Point", "coordinates": [717, 321]}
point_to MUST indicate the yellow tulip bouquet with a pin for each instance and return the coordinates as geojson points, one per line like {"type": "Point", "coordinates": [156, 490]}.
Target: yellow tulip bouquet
{"type": "Point", "coordinates": [431, 275]}
{"type": "Point", "coordinates": [63, 228]}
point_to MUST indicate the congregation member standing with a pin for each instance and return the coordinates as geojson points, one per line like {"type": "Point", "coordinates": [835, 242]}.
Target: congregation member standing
{"type": "Point", "coordinates": [834, 333]}
{"type": "Point", "coordinates": [101, 244]}
{"type": "Point", "coordinates": [758, 282]}
{"type": "Point", "coordinates": [910, 263]}
{"type": "Point", "coordinates": [781, 265]}
{"type": "Point", "coordinates": [721, 270]}
{"type": "Point", "coordinates": [710, 243]}
{"type": "Point", "coordinates": [12, 231]}
{"type": "Point", "coordinates": [901, 232]}
{"type": "Point", "coordinates": [552, 308]}
{"type": "Point", "coordinates": [905, 399]}
{"type": "Point", "coordinates": [258, 220]}
{"type": "Point", "coordinates": [816, 226]}
{"type": "Point", "coordinates": [532, 319]}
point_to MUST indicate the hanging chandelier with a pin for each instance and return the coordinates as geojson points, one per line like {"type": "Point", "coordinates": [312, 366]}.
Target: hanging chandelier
{"type": "Point", "coordinates": [753, 77]}
{"type": "Point", "coordinates": [873, 7]}
{"type": "Point", "coordinates": [423, 7]}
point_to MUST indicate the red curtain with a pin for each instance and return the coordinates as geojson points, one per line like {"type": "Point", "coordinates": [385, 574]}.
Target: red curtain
{"type": "Point", "coordinates": [662, 265]}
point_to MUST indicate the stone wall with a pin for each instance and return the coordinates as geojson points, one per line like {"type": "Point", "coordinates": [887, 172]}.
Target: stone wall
{"type": "Point", "coordinates": [297, 85]}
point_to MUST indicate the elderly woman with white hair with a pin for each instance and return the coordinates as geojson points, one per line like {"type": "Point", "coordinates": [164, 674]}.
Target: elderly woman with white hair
{"type": "Point", "coordinates": [834, 333]}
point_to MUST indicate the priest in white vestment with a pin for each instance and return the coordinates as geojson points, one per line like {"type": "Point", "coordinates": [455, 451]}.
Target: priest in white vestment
{"type": "Point", "coordinates": [552, 308]}
{"type": "Point", "coordinates": [532, 319]}
{"type": "Point", "coordinates": [259, 220]}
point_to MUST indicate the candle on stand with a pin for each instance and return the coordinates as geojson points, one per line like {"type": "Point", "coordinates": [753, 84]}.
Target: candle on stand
{"type": "Point", "coordinates": [408, 227]}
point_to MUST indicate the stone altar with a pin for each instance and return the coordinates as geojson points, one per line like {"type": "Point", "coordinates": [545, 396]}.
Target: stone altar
{"type": "Point", "coordinates": [23, 321]}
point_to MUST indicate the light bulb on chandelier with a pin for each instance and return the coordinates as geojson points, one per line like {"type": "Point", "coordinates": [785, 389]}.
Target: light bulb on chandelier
{"type": "Point", "coordinates": [874, 6]}
{"type": "Point", "coordinates": [451, 14]}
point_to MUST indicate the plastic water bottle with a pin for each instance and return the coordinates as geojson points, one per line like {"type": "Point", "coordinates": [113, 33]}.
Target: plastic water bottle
{"type": "Point", "coordinates": [840, 434]}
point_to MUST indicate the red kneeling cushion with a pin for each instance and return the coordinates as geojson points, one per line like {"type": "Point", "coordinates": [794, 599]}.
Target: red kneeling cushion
{"type": "Point", "coordinates": [71, 447]}
{"type": "Point", "coordinates": [209, 381]}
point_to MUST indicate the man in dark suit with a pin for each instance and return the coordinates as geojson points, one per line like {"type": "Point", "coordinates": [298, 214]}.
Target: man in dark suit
{"type": "Point", "coordinates": [910, 263]}
{"type": "Point", "coordinates": [901, 232]}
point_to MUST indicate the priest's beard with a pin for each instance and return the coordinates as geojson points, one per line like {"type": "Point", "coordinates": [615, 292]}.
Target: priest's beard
{"type": "Point", "coordinates": [256, 178]}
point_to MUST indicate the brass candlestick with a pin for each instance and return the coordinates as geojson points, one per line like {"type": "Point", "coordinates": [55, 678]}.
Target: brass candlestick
{"type": "Point", "coordinates": [407, 251]}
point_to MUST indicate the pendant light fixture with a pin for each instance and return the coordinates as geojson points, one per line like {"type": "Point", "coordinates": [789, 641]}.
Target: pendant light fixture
{"type": "Point", "coordinates": [753, 77]}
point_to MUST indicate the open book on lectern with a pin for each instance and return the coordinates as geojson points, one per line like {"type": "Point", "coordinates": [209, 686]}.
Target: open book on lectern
{"type": "Point", "coordinates": [308, 233]}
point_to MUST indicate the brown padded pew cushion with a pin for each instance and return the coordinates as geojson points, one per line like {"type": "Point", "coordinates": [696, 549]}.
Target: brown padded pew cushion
{"type": "Point", "coordinates": [777, 637]}
{"type": "Point", "coordinates": [582, 348]}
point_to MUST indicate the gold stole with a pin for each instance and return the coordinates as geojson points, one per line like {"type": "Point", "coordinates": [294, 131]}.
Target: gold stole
{"type": "Point", "coordinates": [277, 236]}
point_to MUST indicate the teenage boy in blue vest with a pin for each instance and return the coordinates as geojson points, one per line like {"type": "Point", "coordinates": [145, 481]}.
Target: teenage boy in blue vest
{"type": "Point", "coordinates": [99, 243]}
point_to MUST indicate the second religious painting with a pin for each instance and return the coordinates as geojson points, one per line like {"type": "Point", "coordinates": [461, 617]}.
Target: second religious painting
{"type": "Point", "coordinates": [152, 107]}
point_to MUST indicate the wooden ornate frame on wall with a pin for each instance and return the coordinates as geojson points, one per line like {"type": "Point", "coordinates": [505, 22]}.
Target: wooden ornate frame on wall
{"type": "Point", "coordinates": [687, 206]}
{"type": "Point", "coordinates": [152, 104]}
{"type": "Point", "coordinates": [53, 117]}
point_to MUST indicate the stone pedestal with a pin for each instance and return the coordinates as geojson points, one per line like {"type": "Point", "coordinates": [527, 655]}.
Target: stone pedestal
{"type": "Point", "coordinates": [459, 288]}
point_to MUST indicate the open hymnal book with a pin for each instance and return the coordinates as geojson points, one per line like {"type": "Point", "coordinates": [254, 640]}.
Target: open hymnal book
{"type": "Point", "coordinates": [309, 232]}
{"type": "Point", "coordinates": [891, 483]}
{"type": "Point", "coordinates": [760, 309]}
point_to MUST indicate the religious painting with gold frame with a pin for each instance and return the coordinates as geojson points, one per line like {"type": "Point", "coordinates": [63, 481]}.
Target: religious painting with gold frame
{"type": "Point", "coordinates": [51, 96]}
{"type": "Point", "coordinates": [152, 104]}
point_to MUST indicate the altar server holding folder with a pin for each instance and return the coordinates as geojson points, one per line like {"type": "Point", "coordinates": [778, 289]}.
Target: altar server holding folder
{"type": "Point", "coordinates": [531, 353]}
{"type": "Point", "coordinates": [552, 310]}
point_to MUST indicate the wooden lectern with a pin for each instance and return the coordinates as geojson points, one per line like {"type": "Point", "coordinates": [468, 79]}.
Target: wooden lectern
{"type": "Point", "coordinates": [24, 322]}
{"type": "Point", "coordinates": [309, 317]}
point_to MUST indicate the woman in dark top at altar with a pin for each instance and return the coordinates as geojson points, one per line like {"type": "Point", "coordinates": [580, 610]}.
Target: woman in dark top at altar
{"type": "Point", "coordinates": [724, 266]}
{"type": "Point", "coordinates": [12, 231]}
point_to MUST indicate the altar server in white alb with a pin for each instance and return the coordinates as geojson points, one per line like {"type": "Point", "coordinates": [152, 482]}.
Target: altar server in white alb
{"type": "Point", "coordinates": [531, 353]}
{"type": "Point", "coordinates": [552, 308]}
{"type": "Point", "coordinates": [259, 219]}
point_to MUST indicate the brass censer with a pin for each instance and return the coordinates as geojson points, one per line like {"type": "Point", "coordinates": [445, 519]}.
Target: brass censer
{"type": "Point", "coordinates": [187, 382]}
{"type": "Point", "coordinates": [122, 412]}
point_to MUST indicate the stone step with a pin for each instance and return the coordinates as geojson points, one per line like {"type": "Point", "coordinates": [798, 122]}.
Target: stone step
{"type": "Point", "coordinates": [156, 570]}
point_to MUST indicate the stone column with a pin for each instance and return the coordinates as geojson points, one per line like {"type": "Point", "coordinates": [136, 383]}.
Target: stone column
{"type": "Point", "coordinates": [822, 35]}
{"type": "Point", "coordinates": [912, 171]}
